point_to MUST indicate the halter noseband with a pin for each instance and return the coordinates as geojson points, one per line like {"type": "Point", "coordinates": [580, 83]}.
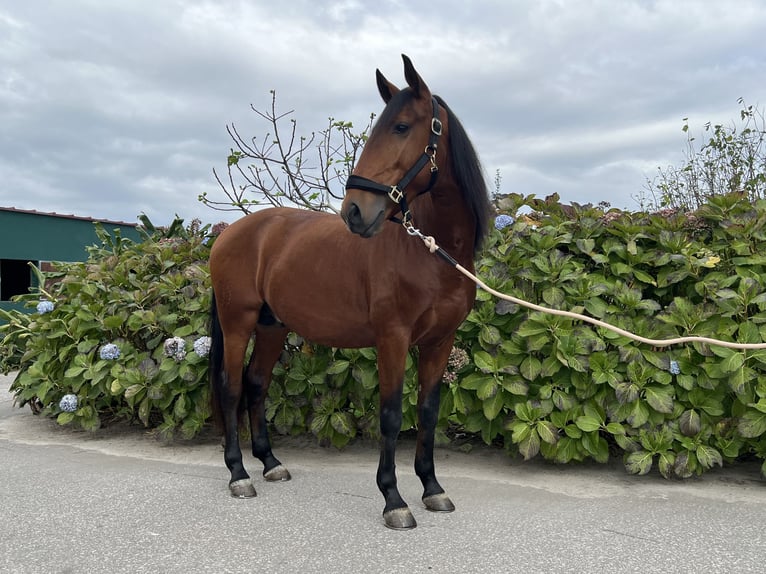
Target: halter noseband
{"type": "Point", "coordinates": [396, 193]}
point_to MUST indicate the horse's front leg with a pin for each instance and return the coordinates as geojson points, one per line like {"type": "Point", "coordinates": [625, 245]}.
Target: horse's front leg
{"type": "Point", "coordinates": [431, 364]}
{"type": "Point", "coordinates": [391, 360]}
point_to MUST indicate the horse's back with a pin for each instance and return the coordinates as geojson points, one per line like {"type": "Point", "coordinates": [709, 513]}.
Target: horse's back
{"type": "Point", "coordinates": [269, 234]}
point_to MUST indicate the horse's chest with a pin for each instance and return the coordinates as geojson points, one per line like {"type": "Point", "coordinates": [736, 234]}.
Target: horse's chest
{"type": "Point", "coordinates": [445, 312]}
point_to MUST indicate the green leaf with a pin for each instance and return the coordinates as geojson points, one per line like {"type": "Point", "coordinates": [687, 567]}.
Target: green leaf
{"type": "Point", "coordinates": [490, 335]}
{"type": "Point", "coordinates": [144, 410]}
{"type": "Point", "coordinates": [180, 409]}
{"type": "Point", "coordinates": [337, 367]}
{"type": "Point", "coordinates": [596, 446]}
{"type": "Point", "coordinates": [644, 277]}
{"type": "Point", "coordinates": [639, 414]}
{"type": "Point", "coordinates": [65, 418]}
{"type": "Point", "coordinates": [666, 463]}
{"type": "Point", "coordinates": [530, 368]}
{"type": "Point", "coordinates": [660, 398]}
{"type": "Point", "coordinates": [615, 429]}
{"type": "Point", "coordinates": [530, 445]}
{"type": "Point", "coordinates": [639, 462]}
{"type": "Point", "coordinates": [588, 423]}
{"type": "Point", "coordinates": [626, 443]}
{"type": "Point", "coordinates": [689, 422]}
{"type": "Point", "coordinates": [318, 423]}
{"type": "Point", "coordinates": [493, 406]}
{"type": "Point", "coordinates": [184, 331]}
{"type": "Point", "coordinates": [133, 390]}
{"type": "Point", "coordinates": [484, 362]}
{"type": "Point", "coordinates": [707, 456]}
{"type": "Point", "coordinates": [752, 424]}
{"type": "Point", "coordinates": [487, 389]}
{"type": "Point", "coordinates": [343, 423]}
{"type": "Point", "coordinates": [733, 362]}
{"type": "Point", "coordinates": [520, 430]}
{"type": "Point", "coordinates": [515, 386]}
{"type": "Point", "coordinates": [113, 322]}
{"type": "Point", "coordinates": [567, 450]}
{"type": "Point", "coordinates": [685, 465]}
{"type": "Point", "coordinates": [547, 432]}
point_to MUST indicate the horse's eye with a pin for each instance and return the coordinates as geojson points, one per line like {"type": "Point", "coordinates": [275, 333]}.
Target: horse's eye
{"type": "Point", "coordinates": [401, 128]}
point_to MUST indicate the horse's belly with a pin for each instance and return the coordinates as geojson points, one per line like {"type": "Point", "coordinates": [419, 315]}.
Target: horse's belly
{"type": "Point", "coordinates": [332, 327]}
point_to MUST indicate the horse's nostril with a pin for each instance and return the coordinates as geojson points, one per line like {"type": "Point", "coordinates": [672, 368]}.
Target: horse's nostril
{"type": "Point", "coordinates": [353, 216]}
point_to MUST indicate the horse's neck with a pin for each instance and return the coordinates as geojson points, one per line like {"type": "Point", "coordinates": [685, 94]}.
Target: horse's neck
{"type": "Point", "coordinates": [445, 215]}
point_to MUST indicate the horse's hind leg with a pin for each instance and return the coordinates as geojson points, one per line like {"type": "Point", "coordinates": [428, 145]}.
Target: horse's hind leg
{"type": "Point", "coordinates": [431, 364]}
{"type": "Point", "coordinates": [269, 343]}
{"type": "Point", "coordinates": [230, 393]}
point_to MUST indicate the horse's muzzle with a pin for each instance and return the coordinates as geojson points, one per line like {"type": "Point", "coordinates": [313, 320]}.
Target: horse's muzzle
{"type": "Point", "coordinates": [356, 221]}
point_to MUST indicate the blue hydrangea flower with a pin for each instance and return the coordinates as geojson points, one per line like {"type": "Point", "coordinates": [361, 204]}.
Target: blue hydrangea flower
{"type": "Point", "coordinates": [45, 307]}
{"type": "Point", "coordinates": [175, 347]}
{"type": "Point", "coordinates": [674, 368]}
{"type": "Point", "coordinates": [202, 346]}
{"type": "Point", "coordinates": [503, 221]}
{"type": "Point", "coordinates": [110, 351]}
{"type": "Point", "coordinates": [68, 403]}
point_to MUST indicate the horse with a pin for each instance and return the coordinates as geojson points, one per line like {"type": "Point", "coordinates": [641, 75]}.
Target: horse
{"type": "Point", "coordinates": [357, 279]}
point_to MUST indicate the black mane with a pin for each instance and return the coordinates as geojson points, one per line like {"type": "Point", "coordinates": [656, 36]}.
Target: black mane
{"type": "Point", "coordinates": [469, 175]}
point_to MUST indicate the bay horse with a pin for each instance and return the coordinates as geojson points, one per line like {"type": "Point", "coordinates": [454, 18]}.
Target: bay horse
{"type": "Point", "coordinates": [358, 280]}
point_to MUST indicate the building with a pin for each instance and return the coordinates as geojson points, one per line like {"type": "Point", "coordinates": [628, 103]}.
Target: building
{"type": "Point", "coordinates": [32, 236]}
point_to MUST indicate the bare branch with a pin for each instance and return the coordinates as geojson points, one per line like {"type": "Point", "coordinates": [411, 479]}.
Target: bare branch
{"type": "Point", "coordinates": [285, 168]}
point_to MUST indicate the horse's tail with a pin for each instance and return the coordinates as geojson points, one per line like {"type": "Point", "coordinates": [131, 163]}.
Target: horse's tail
{"type": "Point", "coordinates": [215, 364]}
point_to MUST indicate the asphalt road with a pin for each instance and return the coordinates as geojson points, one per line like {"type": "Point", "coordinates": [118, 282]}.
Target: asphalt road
{"type": "Point", "coordinates": [120, 501]}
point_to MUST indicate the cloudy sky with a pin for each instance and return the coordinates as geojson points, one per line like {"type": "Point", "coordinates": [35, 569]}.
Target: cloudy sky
{"type": "Point", "coordinates": [112, 109]}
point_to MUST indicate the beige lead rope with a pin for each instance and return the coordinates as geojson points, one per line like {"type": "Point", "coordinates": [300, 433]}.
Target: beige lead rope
{"type": "Point", "coordinates": [434, 248]}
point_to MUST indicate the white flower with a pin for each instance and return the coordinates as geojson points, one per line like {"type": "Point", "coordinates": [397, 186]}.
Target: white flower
{"type": "Point", "coordinates": [175, 347]}
{"type": "Point", "coordinates": [202, 346]}
{"type": "Point", "coordinates": [502, 221]}
{"type": "Point", "coordinates": [109, 351]}
{"type": "Point", "coordinates": [45, 307]}
{"type": "Point", "coordinates": [68, 403]}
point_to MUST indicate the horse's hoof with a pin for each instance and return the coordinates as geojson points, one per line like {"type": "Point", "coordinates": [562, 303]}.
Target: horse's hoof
{"type": "Point", "coordinates": [399, 519]}
{"type": "Point", "coordinates": [242, 488]}
{"type": "Point", "coordinates": [277, 474]}
{"type": "Point", "coordinates": [438, 503]}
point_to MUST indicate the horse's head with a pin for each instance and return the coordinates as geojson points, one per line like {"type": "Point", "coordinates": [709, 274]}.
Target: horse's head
{"type": "Point", "coordinates": [399, 159]}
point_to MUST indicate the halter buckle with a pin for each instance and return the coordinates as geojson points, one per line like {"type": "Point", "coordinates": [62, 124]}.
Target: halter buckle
{"type": "Point", "coordinates": [395, 194]}
{"type": "Point", "coordinates": [436, 126]}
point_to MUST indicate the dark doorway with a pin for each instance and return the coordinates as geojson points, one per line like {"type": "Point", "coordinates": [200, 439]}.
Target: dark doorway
{"type": "Point", "coordinates": [15, 278]}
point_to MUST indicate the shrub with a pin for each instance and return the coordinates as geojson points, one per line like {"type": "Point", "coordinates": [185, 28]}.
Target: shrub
{"type": "Point", "coordinates": [571, 391]}
{"type": "Point", "coordinates": [99, 333]}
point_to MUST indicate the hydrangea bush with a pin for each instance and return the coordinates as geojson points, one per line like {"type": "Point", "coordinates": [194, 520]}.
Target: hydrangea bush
{"type": "Point", "coordinates": [109, 339]}
{"type": "Point", "coordinates": [569, 391]}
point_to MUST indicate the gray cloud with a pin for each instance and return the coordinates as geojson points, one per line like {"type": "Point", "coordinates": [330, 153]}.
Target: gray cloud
{"type": "Point", "coordinates": [113, 109]}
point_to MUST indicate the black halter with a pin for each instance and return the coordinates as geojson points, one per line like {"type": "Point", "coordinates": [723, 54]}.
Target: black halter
{"type": "Point", "coordinates": [396, 193]}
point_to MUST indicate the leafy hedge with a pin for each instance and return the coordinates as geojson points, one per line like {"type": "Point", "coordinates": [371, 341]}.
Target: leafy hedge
{"type": "Point", "coordinates": [540, 384]}
{"type": "Point", "coordinates": [100, 328]}
{"type": "Point", "coordinates": [570, 391]}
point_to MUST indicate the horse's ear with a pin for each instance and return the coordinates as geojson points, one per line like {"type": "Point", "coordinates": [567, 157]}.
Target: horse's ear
{"type": "Point", "coordinates": [387, 89]}
{"type": "Point", "coordinates": [414, 81]}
